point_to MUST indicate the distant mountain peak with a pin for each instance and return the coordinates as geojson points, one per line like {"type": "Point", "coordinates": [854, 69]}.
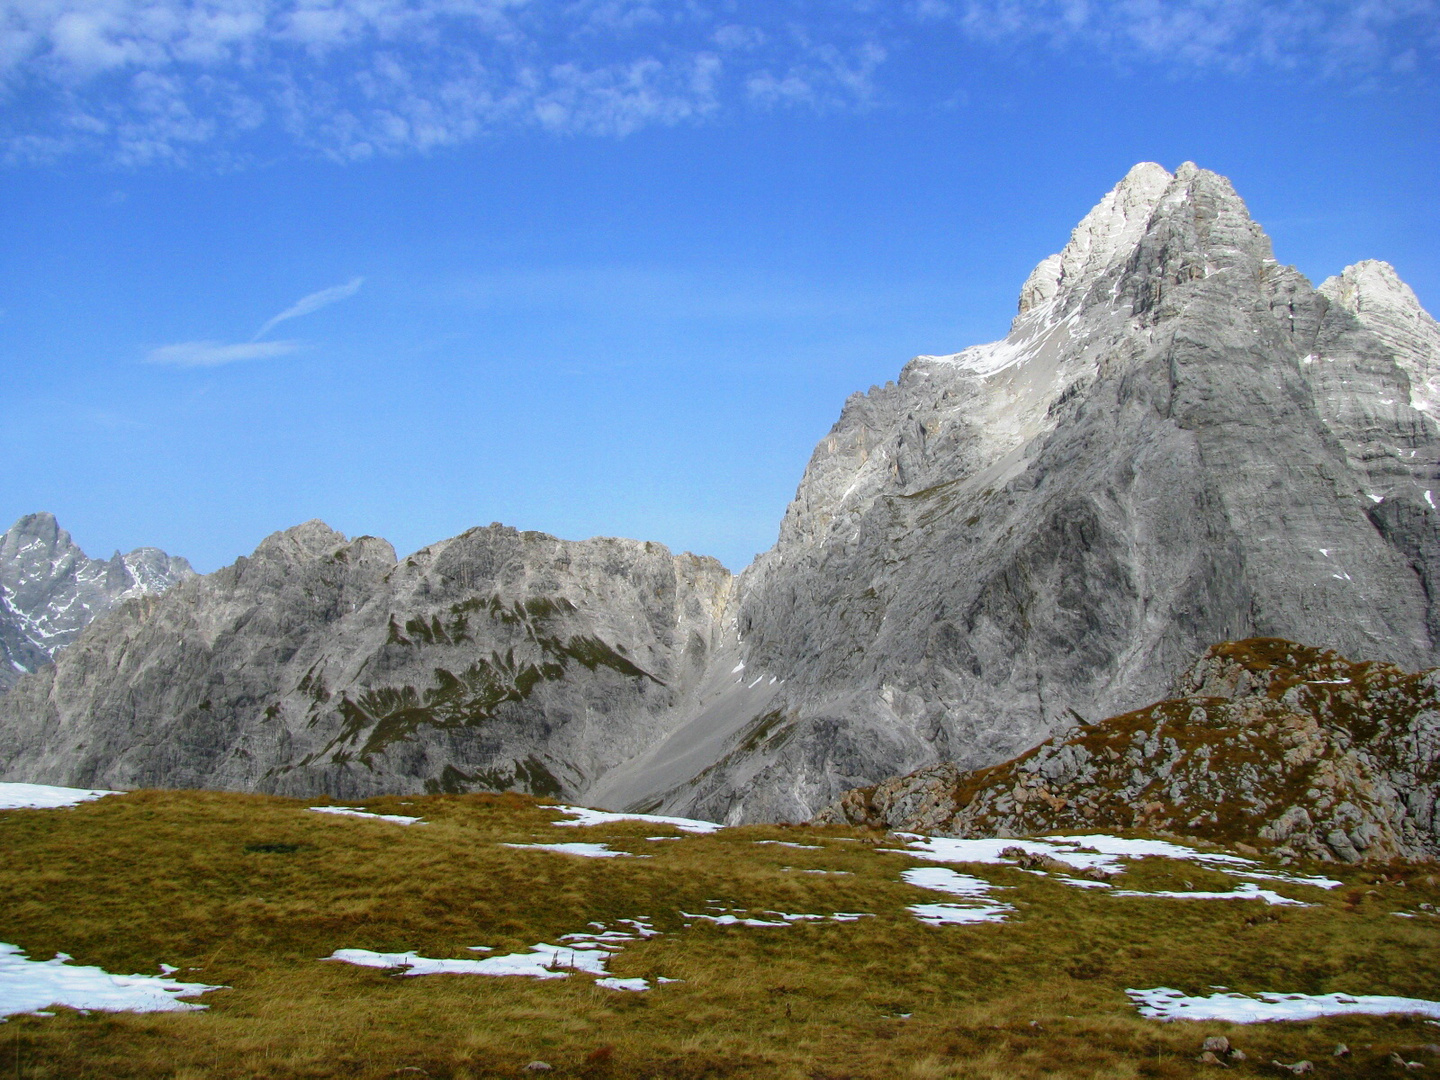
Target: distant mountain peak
{"type": "Point", "coordinates": [50, 589]}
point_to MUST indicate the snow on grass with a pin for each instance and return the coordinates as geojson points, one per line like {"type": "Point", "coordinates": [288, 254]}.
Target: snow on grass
{"type": "Point", "coordinates": [742, 917]}
{"type": "Point", "coordinates": [1163, 1003]}
{"type": "Point", "coordinates": [585, 816]}
{"type": "Point", "coordinates": [1083, 883]}
{"type": "Point", "coordinates": [1240, 892]}
{"type": "Point", "coordinates": [1098, 852]}
{"type": "Point", "coordinates": [585, 851]}
{"type": "Point", "coordinates": [959, 914]}
{"type": "Point", "coordinates": [613, 983]}
{"type": "Point", "coordinates": [788, 843]}
{"type": "Point", "coordinates": [981, 907]}
{"type": "Point", "coordinates": [27, 986]}
{"type": "Point", "coordinates": [584, 952]}
{"type": "Point", "coordinates": [46, 796]}
{"type": "Point", "coordinates": [942, 879]}
{"type": "Point", "coordinates": [355, 811]}
{"type": "Point", "coordinates": [802, 870]}
{"type": "Point", "coordinates": [541, 962]}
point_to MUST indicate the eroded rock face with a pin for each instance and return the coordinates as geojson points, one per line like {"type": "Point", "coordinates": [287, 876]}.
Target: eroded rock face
{"type": "Point", "coordinates": [1180, 442]}
{"type": "Point", "coordinates": [494, 660]}
{"type": "Point", "coordinates": [50, 590]}
{"type": "Point", "coordinates": [1265, 741]}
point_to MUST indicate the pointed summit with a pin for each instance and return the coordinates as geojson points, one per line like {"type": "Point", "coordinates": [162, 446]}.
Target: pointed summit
{"type": "Point", "coordinates": [1373, 293]}
{"type": "Point", "coordinates": [1108, 233]}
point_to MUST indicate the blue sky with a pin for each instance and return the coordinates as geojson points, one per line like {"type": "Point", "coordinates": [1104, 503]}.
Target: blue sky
{"type": "Point", "coordinates": [600, 267]}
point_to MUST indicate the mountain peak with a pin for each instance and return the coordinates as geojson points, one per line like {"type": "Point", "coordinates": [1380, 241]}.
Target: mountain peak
{"type": "Point", "coordinates": [1373, 294]}
{"type": "Point", "coordinates": [50, 589]}
{"type": "Point", "coordinates": [1109, 232]}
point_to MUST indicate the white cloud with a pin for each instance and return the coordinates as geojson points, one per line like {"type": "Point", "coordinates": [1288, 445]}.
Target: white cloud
{"type": "Point", "coordinates": [214, 353]}
{"type": "Point", "coordinates": [314, 302]}
{"type": "Point", "coordinates": [142, 81]}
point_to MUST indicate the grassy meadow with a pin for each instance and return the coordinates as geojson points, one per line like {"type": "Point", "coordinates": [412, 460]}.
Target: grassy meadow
{"type": "Point", "coordinates": [251, 892]}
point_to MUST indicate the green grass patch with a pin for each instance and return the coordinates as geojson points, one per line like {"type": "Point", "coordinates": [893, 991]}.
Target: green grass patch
{"type": "Point", "coordinates": [251, 891]}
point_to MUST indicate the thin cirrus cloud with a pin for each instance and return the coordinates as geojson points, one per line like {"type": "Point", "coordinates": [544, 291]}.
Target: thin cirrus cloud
{"type": "Point", "coordinates": [171, 81]}
{"type": "Point", "coordinates": [190, 354]}
{"type": "Point", "coordinates": [314, 302]}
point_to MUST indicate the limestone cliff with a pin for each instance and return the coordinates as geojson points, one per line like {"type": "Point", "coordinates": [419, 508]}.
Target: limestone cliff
{"type": "Point", "coordinates": [494, 660]}
{"type": "Point", "coordinates": [1179, 442]}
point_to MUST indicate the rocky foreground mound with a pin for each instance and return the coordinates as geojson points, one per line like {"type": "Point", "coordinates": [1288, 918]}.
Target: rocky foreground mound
{"type": "Point", "coordinates": [1265, 741]}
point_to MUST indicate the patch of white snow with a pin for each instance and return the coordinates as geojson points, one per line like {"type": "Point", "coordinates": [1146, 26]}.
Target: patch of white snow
{"type": "Point", "coordinates": [1240, 892]}
{"type": "Point", "coordinates": [960, 914]}
{"type": "Point", "coordinates": [585, 851]}
{"type": "Point", "coordinates": [1163, 1003]}
{"type": "Point", "coordinates": [46, 796]}
{"type": "Point", "coordinates": [585, 816]}
{"type": "Point", "coordinates": [613, 983]}
{"type": "Point", "coordinates": [27, 986]}
{"type": "Point", "coordinates": [355, 811]}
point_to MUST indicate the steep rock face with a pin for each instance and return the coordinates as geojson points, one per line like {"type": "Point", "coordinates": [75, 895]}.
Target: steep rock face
{"type": "Point", "coordinates": [50, 590]}
{"type": "Point", "coordinates": [1277, 744]}
{"type": "Point", "coordinates": [496, 659]}
{"type": "Point", "coordinates": [1179, 442]}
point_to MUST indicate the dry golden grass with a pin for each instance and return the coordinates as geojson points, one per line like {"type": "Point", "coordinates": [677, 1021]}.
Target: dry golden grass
{"type": "Point", "coordinates": [130, 882]}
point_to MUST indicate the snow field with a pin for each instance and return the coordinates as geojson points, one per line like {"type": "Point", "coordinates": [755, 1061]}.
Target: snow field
{"type": "Point", "coordinates": [585, 851]}
{"type": "Point", "coordinates": [1163, 1003]}
{"type": "Point", "coordinates": [585, 816]}
{"type": "Point", "coordinates": [28, 986]}
{"type": "Point", "coordinates": [355, 811]}
{"type": "Point", "coordinates": [978, 908]}
{"type": "Point", "coordinates": [585, 952]}
{"type": "Point", "coordinates": [46, 796]}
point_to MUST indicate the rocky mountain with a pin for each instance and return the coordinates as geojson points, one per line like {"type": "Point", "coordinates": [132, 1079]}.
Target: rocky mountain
{"type": "Point", "coordinates": [494, 660]}
{"type": "Point", "coordinates": [1265, 741]}
{"type": "Point", "coordinates": [1180, 441]}
{"type": "Point", "coordinates": [50, 590]}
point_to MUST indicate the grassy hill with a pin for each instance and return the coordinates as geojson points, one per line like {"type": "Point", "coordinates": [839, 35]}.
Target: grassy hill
{"type": "Point", "coordinates": [252, 892]}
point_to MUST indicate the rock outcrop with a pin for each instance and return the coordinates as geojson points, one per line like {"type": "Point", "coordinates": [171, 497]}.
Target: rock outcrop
{"type": "Point", "coordinates": [50, 590]}
{"type": "Point", "coordinates": [1179, 442]}
{"type": "Point", "coordinates": [1265, 742]}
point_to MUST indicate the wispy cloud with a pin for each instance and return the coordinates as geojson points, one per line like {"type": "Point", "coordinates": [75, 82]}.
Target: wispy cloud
{"type": "Point", "coordinates": [314, 302]}
{"type": "Point", "coordinates": [145, 81]}
{"type": "Point", "coordinates": [215, 353]}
